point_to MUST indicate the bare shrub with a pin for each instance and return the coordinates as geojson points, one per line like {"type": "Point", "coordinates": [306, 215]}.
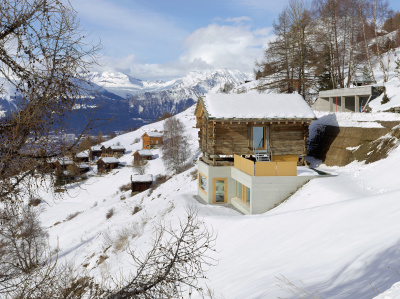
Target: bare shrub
{"type": "Point", "coordinates": [158, 180]}
{"type": "Point", "coordinates": [23, 242]}
{"type": "Point", "coordinates": [110, 213]}
{"type": "Point", "coordinates": [174, 265]}
{"type": "Point", "coordinates": [194, 174]}
{"type": "Point", "coordinates": [185, 167]}
{"type": "Point", "coordinates": [298, 291]}
{"type": "Point", "coordinates": [124, 188]}
{"type": "Point", "coordinates": [136, 210]}
{"type": "Point", "coordinates": [72, 216]}
{"type": "Point", "coordinates": [137, 140]}
{"type": "Point", "coordinates": [34, 201]}
{"type": "Point", "coordinates": [140, 166]}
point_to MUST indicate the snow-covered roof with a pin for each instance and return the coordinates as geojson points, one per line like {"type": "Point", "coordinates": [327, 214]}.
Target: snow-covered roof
{"type": "Point", "coordinates": [154, 134]}
{"type": "Point", "coordinates": [117, 147]}
{"type": "Point", "coordinates": [84, 154]}
{"type": "Point", "coordinates": [145, 152]}
{"type": "Point", "coordinates": [83, 165]}
{"type": "Point", "coordinates": [109, 160]}
{"type": "Point", "coordinates": [256, 106]}
{"type": "Point", "coordinates": [65, 161]}
{"type": "Point", "coordinates": [96, 148]}
{"type": "Point", "coordinates": [142, 178]}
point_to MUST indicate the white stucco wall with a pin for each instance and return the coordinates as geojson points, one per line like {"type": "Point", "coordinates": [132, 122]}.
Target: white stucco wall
{"type": "Point", "coordinates": [212, 172]}
{"type": "Point", "coordinates": [265, 191]}
{"type": "Point", "coordinates": [268, 191]}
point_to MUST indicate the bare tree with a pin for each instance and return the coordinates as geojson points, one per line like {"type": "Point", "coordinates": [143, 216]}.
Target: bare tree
{"type": "Point", "coordinates": [175, 148]}
{"type": "Point", "coordinates": [44, 61]}
{"type": "Point", "coordinates": [28, 268]}
{"type": "Point", "coordinates": [140, 165]}
{"type": "Point", "coordinates": [174, 265]}
{"type": "Point", "coordinates": [44, 58]}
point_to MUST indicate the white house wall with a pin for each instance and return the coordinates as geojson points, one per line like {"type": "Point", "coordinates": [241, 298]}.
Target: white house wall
{"type": "Point", "coordinates": [212, 172]}
{"type": "Point", "coordinates": [267, 191]}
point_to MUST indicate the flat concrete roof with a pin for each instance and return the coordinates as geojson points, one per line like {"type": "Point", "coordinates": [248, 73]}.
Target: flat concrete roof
{"type": "Point", "coordinates": [347, 92]}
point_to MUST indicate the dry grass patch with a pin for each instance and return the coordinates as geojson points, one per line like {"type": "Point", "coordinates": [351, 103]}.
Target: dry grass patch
{"type": "Point", "coordinates": [72, 216]}
{"type": "Point", "coordinates": [110, 213]}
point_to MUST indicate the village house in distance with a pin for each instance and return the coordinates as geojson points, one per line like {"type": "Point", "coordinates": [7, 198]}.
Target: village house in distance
{"type": "Point", "coordinates": [151, 140]}
{"type": "Point", "coordinates": [251, 145]}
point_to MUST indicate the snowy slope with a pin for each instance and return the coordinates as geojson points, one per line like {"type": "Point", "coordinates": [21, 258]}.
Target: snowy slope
{"type": "Point", "coordinates": [335, 236]}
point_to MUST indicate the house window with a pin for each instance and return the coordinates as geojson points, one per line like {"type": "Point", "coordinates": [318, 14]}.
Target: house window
{"type": "Point", "coordinates": [247, 195]}
{"type": "Point", "coordinates": [156, 141]}
{"type": "Point", "coordinates": [203, 183]}
{"type": "Point", "coordinates": [243, 193]}
{"type": "Point", "coordinates": [220, 190]}
{"type": "Point", "coordinates": [239, 190]}
{"type": "Point", "coordinates": [258, 137]}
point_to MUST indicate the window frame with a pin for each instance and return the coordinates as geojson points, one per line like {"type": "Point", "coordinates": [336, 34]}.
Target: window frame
{"type": "Point", "coordinates": [202, 175]}
{"type": "Point", "coordinates": [225, 189]}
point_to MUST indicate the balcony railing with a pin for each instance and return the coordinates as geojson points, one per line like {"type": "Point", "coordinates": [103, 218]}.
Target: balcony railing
{"type": "Point", "coordinates": [265, 168]}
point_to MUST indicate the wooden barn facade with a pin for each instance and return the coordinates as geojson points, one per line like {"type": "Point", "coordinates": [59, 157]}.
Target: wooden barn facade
{"type": "Point", "coordinates": [151, 140]}
{"type": "Point", "coordinates": [105, 164]}
{"type": "Point", "coordinates": [142, 155]}
{"type": "Point", "coordinates": [102, 151]}
{"type": "Point", "coordinates": [282, 135]}
{"type": "Point", "coordinates": [141, 183]}
{"type": "Point", "coordinates": [250, 142]}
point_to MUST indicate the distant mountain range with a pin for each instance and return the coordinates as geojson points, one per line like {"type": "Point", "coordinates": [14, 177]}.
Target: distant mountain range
{"type": "Point", "coordinates": [129, 102]}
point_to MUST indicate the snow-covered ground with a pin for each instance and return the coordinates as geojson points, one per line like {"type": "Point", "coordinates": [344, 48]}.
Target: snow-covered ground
{"type": "Point", "coordinates": [337, 236]}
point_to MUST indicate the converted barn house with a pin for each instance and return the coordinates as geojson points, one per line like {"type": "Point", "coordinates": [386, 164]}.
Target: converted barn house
{"type": "Point", "coordinates": [95, 152]}
{"type": "Point", "coordinates": [251, 145]}
{"type": "Point", "coordinates": [151, 139]}
{"type": "Point", "coordinates": [105, 164]}
{"type": "Point", "coordinates": [103, 151]}
{"type": "Point", "coordinates": [142, 155]}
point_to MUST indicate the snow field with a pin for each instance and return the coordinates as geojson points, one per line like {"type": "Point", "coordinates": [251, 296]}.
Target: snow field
{"type": "Point", "coordinates": [336, 235]}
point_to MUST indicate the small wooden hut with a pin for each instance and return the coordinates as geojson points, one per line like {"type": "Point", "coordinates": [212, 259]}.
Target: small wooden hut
{"type": "Point", "coordinates": [141, 183]}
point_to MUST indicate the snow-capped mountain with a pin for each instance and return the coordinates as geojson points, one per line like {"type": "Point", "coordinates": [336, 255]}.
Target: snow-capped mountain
{"type": "Point", "coordinates": [185, 91]}
{"type": "Point", "coordinates": [126, 86]}
{"type": "Point", "coordinates": [192, 85]}
{"type": "Point", "coordinates": [145, 101]}
{"type": "Point", "coordinates": [130, 102]}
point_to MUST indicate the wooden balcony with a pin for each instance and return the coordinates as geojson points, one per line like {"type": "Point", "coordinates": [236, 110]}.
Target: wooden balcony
{"type": "Point", "coordinates": [265, 168]}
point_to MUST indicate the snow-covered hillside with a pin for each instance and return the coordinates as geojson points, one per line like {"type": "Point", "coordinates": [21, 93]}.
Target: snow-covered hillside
{"type": "Point", "coordinates": [336, 236]}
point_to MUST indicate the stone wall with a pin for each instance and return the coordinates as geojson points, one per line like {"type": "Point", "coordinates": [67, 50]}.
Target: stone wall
{"type": "Point", "coordinates": [333, 144]}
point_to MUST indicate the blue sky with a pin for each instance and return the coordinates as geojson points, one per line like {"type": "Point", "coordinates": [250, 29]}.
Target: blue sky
{"type": "Point", "coordinates": [162, 39]}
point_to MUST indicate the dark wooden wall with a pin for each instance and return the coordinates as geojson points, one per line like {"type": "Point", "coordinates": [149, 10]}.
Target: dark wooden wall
{"type": "Point", "coordinates": [229, 139]}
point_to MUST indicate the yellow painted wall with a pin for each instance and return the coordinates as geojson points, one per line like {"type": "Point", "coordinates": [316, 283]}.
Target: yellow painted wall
{"type": "Point", "coordinates": [285, 158]}
{"type": "Point", "coordinates": [265, 168]}
{"type": "Point", "coordinates": [286, 168]}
